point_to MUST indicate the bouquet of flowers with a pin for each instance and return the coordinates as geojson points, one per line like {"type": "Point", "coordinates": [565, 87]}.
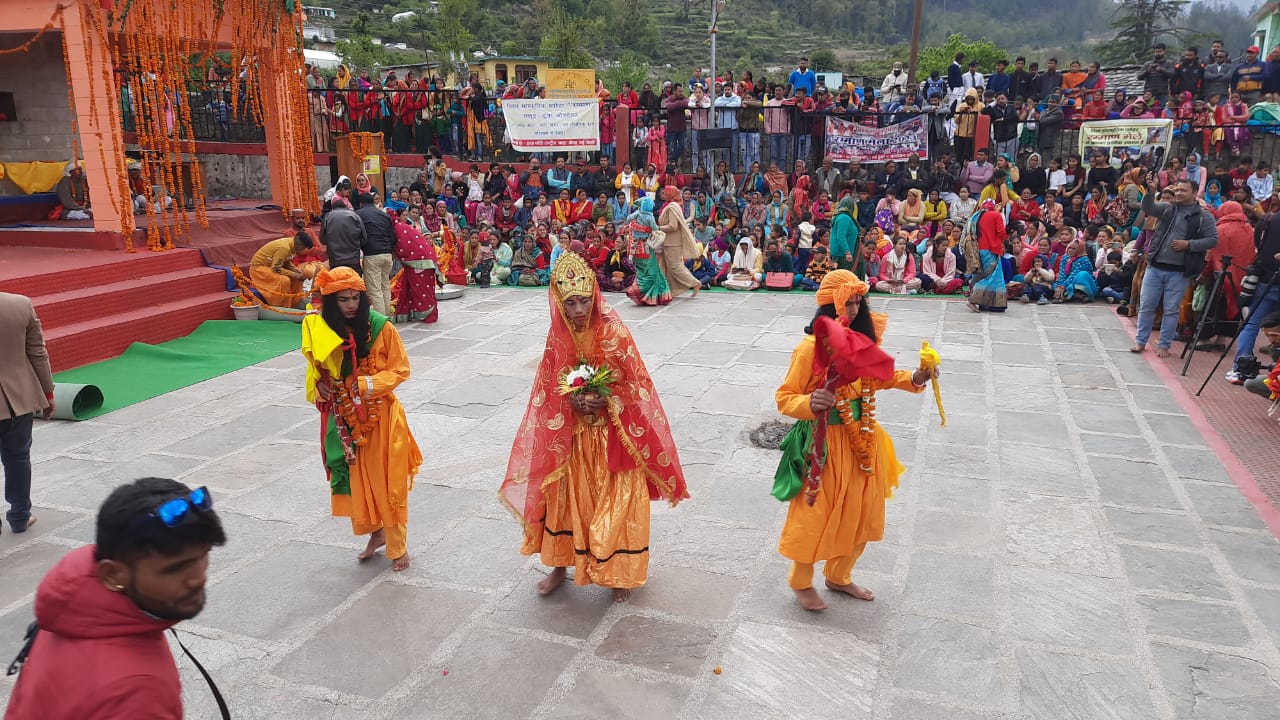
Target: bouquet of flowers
{"type": "Point", "coordinates": [586, 379]}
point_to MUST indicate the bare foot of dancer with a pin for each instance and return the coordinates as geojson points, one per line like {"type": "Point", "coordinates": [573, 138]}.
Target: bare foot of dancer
{"type": "Point", "coordinates": [852, 590]}
{"type": "Point", "coordinates": [972, 307]}
{"type": "Point", "coordinates": [376, 540]}
{"type": "Point", "coordinates": [810, 600]}
{"type": "Point", "coordinates": [549, 583]}
{"type": "Point", "coordinates": [696, 291]}
{"type": "Point", "coordinates": [400, 563]}
{"type": "Point", "coordinates": [621, 595]}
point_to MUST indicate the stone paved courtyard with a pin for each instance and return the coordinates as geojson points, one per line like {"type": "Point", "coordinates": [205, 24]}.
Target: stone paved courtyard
{"type": "Point", "coordinates": [1067, 547]}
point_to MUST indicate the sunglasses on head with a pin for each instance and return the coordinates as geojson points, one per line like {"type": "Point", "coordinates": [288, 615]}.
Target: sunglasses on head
{"type": "Point", "coordinates": [173, 512]}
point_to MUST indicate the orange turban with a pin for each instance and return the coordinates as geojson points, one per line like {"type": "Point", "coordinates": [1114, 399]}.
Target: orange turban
{"type": "Point", "coordinates": [338, 279]}
{"type": "Point", "coordinates": [838, 286]}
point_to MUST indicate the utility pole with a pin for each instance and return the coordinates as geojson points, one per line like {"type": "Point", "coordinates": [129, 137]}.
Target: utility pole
{"type": "Point", "coordinates": [915, 42]}
{"type": "Point", "coordinates": [716, 7]}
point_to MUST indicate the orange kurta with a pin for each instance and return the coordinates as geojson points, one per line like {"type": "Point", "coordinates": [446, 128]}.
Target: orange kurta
{"type": "Point", "coordinates": [267, 269]}
{"type": "Point", "coordinates": [597, 520]}
{"type": "Point", "coordinates": [385, 466]}
{"type": "Point", "coordinates": [849, 511]}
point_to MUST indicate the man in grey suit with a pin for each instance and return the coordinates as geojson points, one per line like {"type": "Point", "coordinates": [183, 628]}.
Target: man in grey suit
{"type": "Point", "coordinates": [26, 388]}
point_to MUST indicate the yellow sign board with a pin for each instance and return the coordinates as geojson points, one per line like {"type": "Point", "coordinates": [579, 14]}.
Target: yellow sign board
{"type": "Point", "coordinates": [564, 83]}
{"type": "Point", "coordinates": [372, 165]}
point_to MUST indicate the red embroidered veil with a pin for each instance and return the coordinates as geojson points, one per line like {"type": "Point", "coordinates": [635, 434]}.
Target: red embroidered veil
{"type": "Point", "coordinates": [641, 434]}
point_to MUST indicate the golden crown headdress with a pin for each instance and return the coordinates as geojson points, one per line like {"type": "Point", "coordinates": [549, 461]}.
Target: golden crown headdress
{"type": "Point", "coordinates": [573, 277]}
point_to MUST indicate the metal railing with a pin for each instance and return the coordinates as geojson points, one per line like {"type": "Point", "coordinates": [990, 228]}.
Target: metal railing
{"type": "Point", "coordinates": [435, 131]}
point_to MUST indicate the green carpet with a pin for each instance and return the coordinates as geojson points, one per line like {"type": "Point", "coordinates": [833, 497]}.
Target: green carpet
{"type": "Point", "coordinates": [216, 348]}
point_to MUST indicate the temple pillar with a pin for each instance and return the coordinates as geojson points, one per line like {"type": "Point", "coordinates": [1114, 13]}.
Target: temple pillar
{"type": "Point", "coordinates": [100, 146]}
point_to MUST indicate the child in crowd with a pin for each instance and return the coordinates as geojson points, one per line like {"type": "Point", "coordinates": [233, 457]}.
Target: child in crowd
{"type": "Point", "coordinates": [819, 265]}
{"type": "Point", "coordinates": [1115, 279]}
{"type": "Point", "coordinates": [1038, 281]}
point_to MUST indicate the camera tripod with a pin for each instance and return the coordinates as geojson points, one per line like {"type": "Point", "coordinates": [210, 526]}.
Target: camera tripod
{"type": "Point", "coordinates": [1222, 282]}
{"type": "Point", "coordinates": [1244, 318]}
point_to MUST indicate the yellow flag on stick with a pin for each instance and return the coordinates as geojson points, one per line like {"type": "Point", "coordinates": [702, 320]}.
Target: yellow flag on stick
{"type": "Point", "coordinates": [931, 360]}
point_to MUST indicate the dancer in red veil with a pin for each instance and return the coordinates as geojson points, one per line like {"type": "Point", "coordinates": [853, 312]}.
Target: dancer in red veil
{"type": "Point", "coordinates": [586, 464]}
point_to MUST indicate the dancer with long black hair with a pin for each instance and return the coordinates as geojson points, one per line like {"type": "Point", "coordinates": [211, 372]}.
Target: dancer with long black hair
{"type": "Point", "coordinates": [834, 516]}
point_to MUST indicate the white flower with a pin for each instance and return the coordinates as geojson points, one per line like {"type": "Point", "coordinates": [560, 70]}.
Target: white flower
{"type": "Point", "coordinates": [584, 372]}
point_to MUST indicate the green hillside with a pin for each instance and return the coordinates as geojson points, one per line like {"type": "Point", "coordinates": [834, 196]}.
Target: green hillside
{"type": "Point", "coordinates": [864, 35]}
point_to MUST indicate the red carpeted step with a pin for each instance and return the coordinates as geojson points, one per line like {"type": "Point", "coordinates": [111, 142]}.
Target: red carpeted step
{"type": "Point", "coordinates": [72, 306]}
{"type": "Point", "coordinates": [105, 337]}
{"type": "Point", "coordinates": [98, 268]}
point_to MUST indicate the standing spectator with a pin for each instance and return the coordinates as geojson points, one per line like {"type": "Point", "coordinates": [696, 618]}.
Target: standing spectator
{"type": "Point", "coordinates": [677, 125]}
{"type": "Point", "coordinates": [342, 234]}
{"type": "Point", "coordinates": [777, 125]}
{"type": "Point", "coordinates": [955, 79]}
{"type": "Point", "coordinates": [802, 124]}
{"type": "Point", "coordinates": [894, 87]}
{"type": "Point", "coordinates": [1217, 76]}
{"type": "Point", "coordinates": [973, 79]}
{"type": "Point", "coordinates": [27, 385]}
{"type": "Point", "coordinates": [939, 138]}
{"type": "Point", "coordinates": [803, 77]}
{"type": "Point", "coordinates": [1157, 74]}
{"type": "Point", "coordinates": [378, 245]}
{"type": "Point", "coordinates": [1004, 125]}
{"type": "Point", "coordinates": [966, 117]}
{"type": "Point", "coordinates": [1000, 81]}
{"type": "Point", "coordinates": [727, 106]}
{"type": "Point", "coordinates": [1249, 76]}
{"type": "Point", "coordinates": [1020, 79]}
{"type": "Point", "coordinates": [749, 127]}
{"type": "Point", "coordinates": [1175, 253]}
{"type": "Point", "coordinates": [1048, 82]}
{"type": "Point", "coordinates": [699, 119]}
{"type": "Point", "coordinates": [100, 651]}
{"type": "Point", "coordinates": [1188, 75]}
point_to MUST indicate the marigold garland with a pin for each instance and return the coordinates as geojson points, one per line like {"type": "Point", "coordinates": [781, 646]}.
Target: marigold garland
{"type": "Point", "coordinates": [152, 43]}
{"type": "Point", "coordinates": [246, 290]}
{"type": "Point", "coordinates": [57, 15]}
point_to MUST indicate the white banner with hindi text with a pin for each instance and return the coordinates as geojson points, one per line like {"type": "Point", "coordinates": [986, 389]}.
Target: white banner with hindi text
{"type": "Point", "coordinates": [551, 125]}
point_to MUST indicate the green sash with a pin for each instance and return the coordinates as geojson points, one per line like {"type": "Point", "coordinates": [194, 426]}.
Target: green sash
{"type": "Point", "coordinates": [794, 465]}
{"type": "Point", "coordinates": [331, 445]}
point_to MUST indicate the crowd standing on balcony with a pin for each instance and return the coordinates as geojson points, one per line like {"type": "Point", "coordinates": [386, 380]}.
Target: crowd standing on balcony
{"type": "Point", "coordinates": [1009, 216]}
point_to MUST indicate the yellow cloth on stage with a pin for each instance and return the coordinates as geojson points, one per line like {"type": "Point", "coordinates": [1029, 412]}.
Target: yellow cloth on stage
{"type": "Point", "coordinates": [382, 475]}
{"type": "Point", "coordinates": [597, 520]}
{"type": "Point", "coordinates": [35, 177]}
{"type": "Point", "coordinates": [849, 510]}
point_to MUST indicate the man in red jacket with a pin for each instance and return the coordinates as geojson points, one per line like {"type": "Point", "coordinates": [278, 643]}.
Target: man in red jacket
{"type": "Point", "coordinates": [102, 610]}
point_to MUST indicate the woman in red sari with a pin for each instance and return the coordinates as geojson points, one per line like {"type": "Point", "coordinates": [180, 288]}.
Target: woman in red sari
{"type": "Point", "coordinates": [584, 467]}
{"type": "Point", "coordinates": [415, 293]}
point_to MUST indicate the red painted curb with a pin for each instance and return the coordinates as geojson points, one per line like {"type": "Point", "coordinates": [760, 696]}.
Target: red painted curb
{"type": "Point", "coordinates": [1238, 473]}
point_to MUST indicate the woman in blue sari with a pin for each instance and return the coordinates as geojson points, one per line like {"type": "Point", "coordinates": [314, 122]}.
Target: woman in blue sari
{"type": "Point", "coordinates": [1075, 275]}
{"type": "Point", "coordinates": [984, 247]}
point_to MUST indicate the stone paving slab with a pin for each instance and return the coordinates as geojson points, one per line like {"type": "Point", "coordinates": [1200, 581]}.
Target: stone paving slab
{"type": "Point", "coordinates": [1068, 546]}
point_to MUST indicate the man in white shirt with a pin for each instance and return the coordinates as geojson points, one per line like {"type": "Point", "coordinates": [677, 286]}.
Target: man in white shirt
{"type": "Point", "coordinates": [699, 119]}
{"type": "Point", "coordinates": [727, 106]}
{"type": "Point", "coordinates": [894, 86]}
{"type": "Point", "coordinates": [973, 78]}
{"type": "Point", "coordinates": [1260, 182]}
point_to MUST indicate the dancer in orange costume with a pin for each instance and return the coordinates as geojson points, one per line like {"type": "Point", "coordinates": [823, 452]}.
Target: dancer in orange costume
{"type": "Point", "coordinates": [585, 466]}
{"type": "Point", "coordinates": [355, 361]}
{"type": "Point", "coordinates": [834, 520]}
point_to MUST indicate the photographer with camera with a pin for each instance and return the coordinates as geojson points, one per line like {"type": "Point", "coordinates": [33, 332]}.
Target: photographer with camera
{"type": "Point", "coordinates": [1184, 232]}
{"type": "Point", "coordinates": [1260, 292]}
